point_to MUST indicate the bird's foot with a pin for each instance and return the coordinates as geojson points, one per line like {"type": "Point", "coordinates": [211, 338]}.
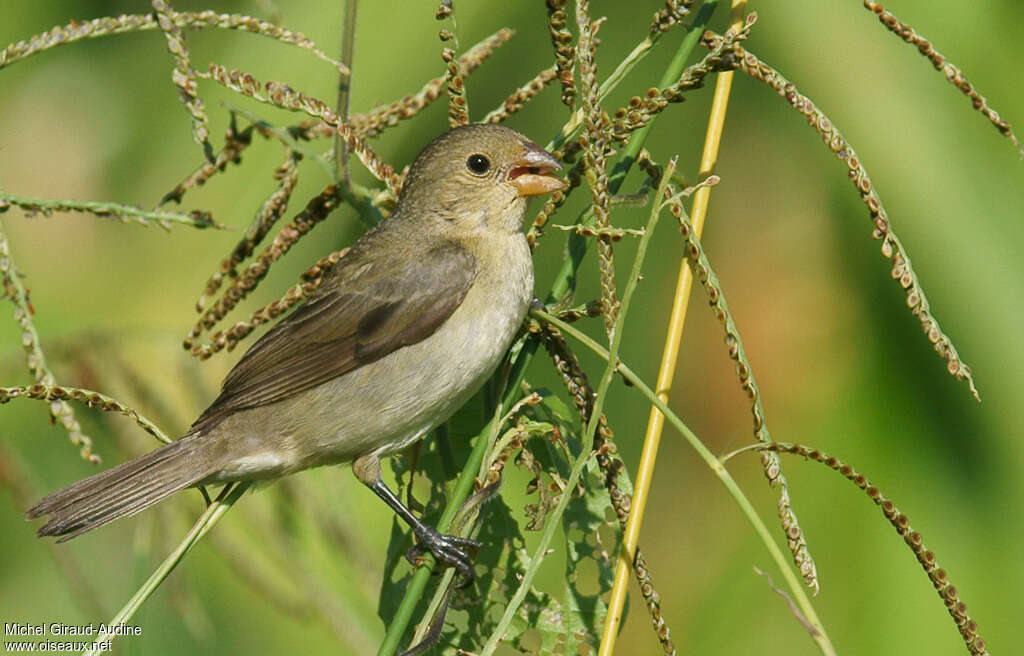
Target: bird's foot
{"type": "Point", "coordinates": [449, 550]}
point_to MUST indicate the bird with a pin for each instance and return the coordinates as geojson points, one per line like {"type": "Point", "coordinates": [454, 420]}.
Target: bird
{"type": "Point", "coordinates": [404, 329]}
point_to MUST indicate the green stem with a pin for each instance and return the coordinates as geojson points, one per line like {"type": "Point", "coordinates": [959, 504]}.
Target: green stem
{"type": "Point", "coordinates": [463, 486]}
{"type": "Point", "coordinates": [672, 73]}
{"type": "Point", "coordinates": [357, 196]}
{"type": "Point", "coordinates": [716, 466]}
{"type": "Point", "coordinates": [465, 519]}
{"type": "Point", "coordinates": [206, 521]}
{"type": "Point", "coordinates": [116, 210]}
{"type": "Point", "coordinates": [348, 41]}
{"type": "Point", "coordinates": [566, 276]}
{"type": "Point", "coordinates": [553, 520]}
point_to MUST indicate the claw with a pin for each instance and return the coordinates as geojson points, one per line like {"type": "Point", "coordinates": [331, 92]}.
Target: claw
{"type": "Point", "coordinates": [449, 550]}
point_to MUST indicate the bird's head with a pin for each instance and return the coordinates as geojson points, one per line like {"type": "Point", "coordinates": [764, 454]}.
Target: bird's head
{"type": "Point", "coordinates": [478, 177]}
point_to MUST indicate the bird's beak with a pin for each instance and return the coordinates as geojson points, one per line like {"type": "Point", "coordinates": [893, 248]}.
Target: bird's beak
{"type": "Point", "coordinates": [532, 174]}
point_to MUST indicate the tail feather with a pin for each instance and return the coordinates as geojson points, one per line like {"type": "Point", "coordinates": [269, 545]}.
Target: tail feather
{"type": "Point", "coordinates": [122, 491]}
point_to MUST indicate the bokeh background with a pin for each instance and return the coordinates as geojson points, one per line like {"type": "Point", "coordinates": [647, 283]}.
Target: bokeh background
{"type": "Point", "coordinates": [841, 363]}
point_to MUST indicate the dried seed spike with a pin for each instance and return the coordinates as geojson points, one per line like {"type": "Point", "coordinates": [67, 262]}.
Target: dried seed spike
{"type": "Point", "coordinates": [561, 40]}
{"type": "Point", "coordinates": [948, 593]}
{"type": "Point", "coordinates": [76, 31]}
{"type": "Point", "coordinates": [555, 201]}
{"type": "Point", "coordinates": [518, 98]}
{"type": "Point", "coordinates": [234, 143]}
{"type": "Point", "coordinates": [310, 281]}
{"type": "Point", "coordinates": [648, 166]}
{"type": "Point", "coordinates": [458, 109]}
{"type": "Point", "coordinates": [721, 57]}
{"type": "Point", "coordinates": [123, 213]}
{"type": "Point", "coordinates": [58, 394]}
{"type": "Point", "coordinates": [271, 210]}
{"type": "Point", "coordinates": [670, 16]}
{"type": "Point", "coordinates": [372, 123]}
{"type": "Point", "coordinates": [316, 210]}
{"type": "Point", "coordinates": [953, 74]}
{"type": "Point", "coordinates": [605, 234]}
{"type": "Point", "coordinates": [892, 246]}
{"type": "Point", "coordinates": [639, 111]}
{"type": "Point", "coordinates": [184, 77]}
{"type": "Point", "coordinates": [61, 411]}
{"type": "Point", "coordinates": [576, 383]}
{"type": "Point", "coordinates": [701, 267]}
{"type": "Point", "coordinates": [282, 95]}
{"type": "Point", "coordinates": [595, 153]}
{"type": "Point", "coordinates": [590, 309]}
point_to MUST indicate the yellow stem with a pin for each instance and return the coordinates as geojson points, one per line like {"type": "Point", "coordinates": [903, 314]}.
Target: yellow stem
{"type": "Point", "coordinates": [673, 338]}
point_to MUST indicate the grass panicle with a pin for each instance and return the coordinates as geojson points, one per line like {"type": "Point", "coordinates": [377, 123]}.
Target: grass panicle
{"type": "Point", "coordinates": [524, 94]}
{"type": "Point", "coordinates": [892, 248]}
{"type": "Point", "coordinates": [639, 111]}
{"type": "Point", "coordinates": [283, 96]}
{"type": "Point", "coordinates": [123, 213]}
{"type": "Point", "coordinates": [947, 592]}
{"type": "Point", "coordinates": [184, 77]}
{"type": "Point", "coordinates": [595, 142]}
{"type": "Point", "coordinates": [62, 394]}
{"type": "Point", "coordinates": [372, 123]}
{"type": "Point", "coordinates": [952, 74]}
{"type": "Point", "coordinates": [671, 15]}
{"type": "Point", "coordinates": [61, 411]}
{"type": "Point", "coordinates": [573, 178]}
{"type": "Point", "coordinates": [127, 23]}
{"type": "Point", "coordinates": [228, 339]}
{"type": "Point", "coordinates": [567, 450]}
{"type": "Point", "coordinates": [272, 209]}
{"type": "Point", "coordinates": [697, 258]}
{"type": "Point", "coordinates": [714, 463]}
{"type": "Point", "coordinates": [235, 141]}
{"type": "Point", "coordinates": [565, 53]}
{"type": "Point", "coordinates": [605, 453]}
{"type": "Point", "coordinates": [454, 76]}
{"type": "Point", "coordinates": [316, 210]}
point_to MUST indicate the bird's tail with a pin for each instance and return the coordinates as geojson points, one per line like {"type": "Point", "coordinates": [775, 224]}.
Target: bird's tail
{"type": "Point", "coordinates": [123, 490]}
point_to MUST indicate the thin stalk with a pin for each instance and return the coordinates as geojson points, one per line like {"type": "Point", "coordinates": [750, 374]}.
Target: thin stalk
{"type": "Point", "coordinates": [796, 588]}
{"type": "Point", "coordinates": [632, 59]}
{"type": "Point", "coordinates": [471, 512]}
{"type": "Point", "coordinates": [348, 42]}
{"type": "Point", "coordinates": [104, 209]}
{"type": "Point", "coordinates": [458, 495]}
{"type": "Point", "coordinates": [669, 357]}
{"type": "Point", "coordinates": [553, 522]}
{"type": "Point", "coordinates": [577, 244]}
{"type": "Point", "coordinates": [206, 521]}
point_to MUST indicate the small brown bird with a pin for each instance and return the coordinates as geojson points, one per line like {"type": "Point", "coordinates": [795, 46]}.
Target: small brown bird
{"type": "Point", "coordinates": [404, 330]}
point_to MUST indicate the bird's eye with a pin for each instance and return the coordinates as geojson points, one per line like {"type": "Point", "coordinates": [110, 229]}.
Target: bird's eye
{"type": "Point", "coordinates": [478, 164]}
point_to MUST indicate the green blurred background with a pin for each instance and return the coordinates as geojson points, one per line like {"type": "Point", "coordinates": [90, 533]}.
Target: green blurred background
{"type": "Point", "coordinates": [841, 364]}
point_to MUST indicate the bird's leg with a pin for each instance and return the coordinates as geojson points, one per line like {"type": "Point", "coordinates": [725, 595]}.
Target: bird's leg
{"type": "Point", "coordinates": [448, 549]}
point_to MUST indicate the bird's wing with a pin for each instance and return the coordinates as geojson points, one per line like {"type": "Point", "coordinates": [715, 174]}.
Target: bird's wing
{"type": "Point", "coordinates": [372, 310]}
